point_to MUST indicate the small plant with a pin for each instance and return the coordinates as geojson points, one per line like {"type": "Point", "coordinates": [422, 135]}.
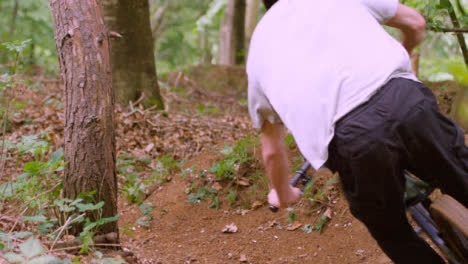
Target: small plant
{"type": "Point", "coordinates": [291, 215]}
{"type": "Point", "coordinates": [130, 169]}
{"type": "Point", "coordinates": [206, 109]}
{"type": "Point", "coordinates": [31, 251]}
{"type": "Point", "coordinates": [147, 212]}
{"type": "Point", "coordinates": [289, 141]}
{"type": "Point", "coordinates": [199, 195]}
{"type": "Point", "coordinates": [234, 156]}
{"type": "Point", "coordinates": [101, 260]}
{"type": "Point", "coordinates": [232, 197]}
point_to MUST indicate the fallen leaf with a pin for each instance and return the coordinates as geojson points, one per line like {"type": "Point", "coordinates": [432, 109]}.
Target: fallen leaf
{"type": "Point", "coordinates": [328, 213]}
{"type": "Point", "coordinates": [149, 147]}
{"type": "Point", "coordinates": [243, 258]}
{"type": "Point", "coordinates": [217, 186]}
{"type": "Point", "coordinates": [232, 228]}
{"type": "Point", "coordinates": [294, 226]}
{"type": "Point", "coordinates": [243, 182]}
{"type": "Point", "coordinates": [257, 204]}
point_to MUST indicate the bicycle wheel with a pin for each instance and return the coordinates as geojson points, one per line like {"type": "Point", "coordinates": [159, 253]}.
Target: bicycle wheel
{"type": "Point", "coordinates": [452, 219]}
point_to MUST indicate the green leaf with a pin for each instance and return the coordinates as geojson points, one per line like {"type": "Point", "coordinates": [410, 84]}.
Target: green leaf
{"type": "Point", "coordinates": [90, 207]}
{"type": "Point", "coordinates": [57, 156]}
{"type": "Point", "coordinates": [445, 4]}
{"type": "Point", "coordinates": [106, 220]}
{"type": "Point", "coordinates": [35, 219]}
{"type": "Point", "coordinates": [43, 260]}
{"type": "Point", "coordinates": [22, 235]}
{"type": "Point", "coordinates": [7, 190]}
{"type": "Point", "coordinates": [32, 167]}
{"type": "Point", "coordinates": [13, 258]}
{"type": "Point", "coordinates": [31, 248]}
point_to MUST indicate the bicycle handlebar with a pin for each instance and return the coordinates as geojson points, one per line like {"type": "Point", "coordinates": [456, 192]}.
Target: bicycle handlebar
{"type": "Point", "coordinates": [301, 173]}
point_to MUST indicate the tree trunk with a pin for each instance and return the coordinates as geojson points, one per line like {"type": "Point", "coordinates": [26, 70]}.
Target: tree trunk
{"type": "Point", "coordinates": [13, 18]}
{"type": "Point", "coordinates": [231, 48]}
{"type": "Point", "coordinates": [82, 42]}
{"type": "Point", "coordinates": [460, 37]}
{"type": "Point", "coordinates": [132, 54]}
{"type": "Point", "coordinates": [158, 21]}
{"type": "Point", "coordinates": [251, 20]}
{"type": "Point", "coordinates": [205, 48]}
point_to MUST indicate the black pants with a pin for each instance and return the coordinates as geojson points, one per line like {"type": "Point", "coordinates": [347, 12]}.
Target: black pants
{"type": "Point", "coordinates": [399, 128]}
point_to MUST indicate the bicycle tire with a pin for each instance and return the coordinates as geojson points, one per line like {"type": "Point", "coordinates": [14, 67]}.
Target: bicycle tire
{"type": "Point", "coordinates": [452, 219]}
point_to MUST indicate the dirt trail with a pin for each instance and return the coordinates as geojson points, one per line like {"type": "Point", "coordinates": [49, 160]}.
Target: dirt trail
{"type": "Point", "coordinates": [190, 233]}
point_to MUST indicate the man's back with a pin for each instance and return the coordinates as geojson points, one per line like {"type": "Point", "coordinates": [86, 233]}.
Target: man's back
{"type": "Point", "coordinates": [315, 61]}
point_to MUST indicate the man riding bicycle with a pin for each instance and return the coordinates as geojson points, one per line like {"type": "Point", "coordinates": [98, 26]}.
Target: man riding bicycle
{"type": "Point", "coordinates": [330, 73]}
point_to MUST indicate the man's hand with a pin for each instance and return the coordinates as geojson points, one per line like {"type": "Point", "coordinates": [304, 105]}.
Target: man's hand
{"type": "Point", "coordinates": [412, 25]}
{"type": "Point", "coordinates": [286, 199]}
{"type": "Point", "coordinates": [276, 164]}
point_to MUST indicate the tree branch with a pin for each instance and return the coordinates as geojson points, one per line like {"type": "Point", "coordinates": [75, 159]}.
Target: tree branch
{"type": "Point", "coordinates": [460, 37]}
{"type": "Point", "coordinates": [157, 18]}
{"type": "Point", "coordinates": [448, 30]}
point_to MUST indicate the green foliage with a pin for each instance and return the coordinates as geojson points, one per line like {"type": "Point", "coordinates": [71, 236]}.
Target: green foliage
{"type": "Point", "coordinates": [130, 168]}
{"type": "Point", "coordinates": [102, 260]}
{"type": "Point", "coordinates": [289, 140]}
{"type": "Point", "coordinates": [234, 156]}
{"type": "Point", "coordinates": [39, 190]}
{"type": "Point", "coordinates": [39, 175]}
{"type": "Point", "coordinates": [146, 210]}
{"type": "Point", "coordinates": [322, 221]}
{"type": "Point", "coordinates": [234, 171]}
{"type": "Point", "coordinates": [206, 109]}
{"type": "Point", "coordinates": [33, 21]}
{"type": "Point", "coordinates": [291, 215]}
{"type": "Point", "coordinates": [199, 195]}
{"type": "Point", "coordinates": [178, 43]}
{"type": "Point", "coordinates": [232, 197]}
{"type": "Point", "coordinates": [31, 252]}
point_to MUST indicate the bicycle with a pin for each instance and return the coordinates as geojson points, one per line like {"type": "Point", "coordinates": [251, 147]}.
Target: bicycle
{"type": "Point", "coordinates": [443, 219]}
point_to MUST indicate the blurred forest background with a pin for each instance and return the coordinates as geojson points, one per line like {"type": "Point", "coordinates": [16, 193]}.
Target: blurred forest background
{"type": "Point", "coordinates": [187, 33]}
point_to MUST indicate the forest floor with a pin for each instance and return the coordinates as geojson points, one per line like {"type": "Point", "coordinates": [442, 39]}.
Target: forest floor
{"type": "Point", "coordinates": [202, 152]}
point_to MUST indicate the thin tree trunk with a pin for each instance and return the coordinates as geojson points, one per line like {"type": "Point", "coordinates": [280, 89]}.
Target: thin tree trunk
{"type": "Point", "coordinates": [132, 55]}
{"type": "Point", "coordinates": [232, 34]}
{"type": "Point", "coordinates": [13, 18]}
{"type": "Point", "coordinates": [82, 42]}
{"type": "Point", "coordinates": [157, 20]}
{"type": "Point", "coordinates": [206, 56]}
{"type": "Point", "coordinates": [460, 37]}
{"type": "Point", "coordinates": [251, 19]}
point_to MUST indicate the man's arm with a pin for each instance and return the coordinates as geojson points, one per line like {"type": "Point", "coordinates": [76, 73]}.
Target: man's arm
{"type": "Point", "coordinates": [412, 25]}
{"type": "Point", "coordinates": [277, 167]}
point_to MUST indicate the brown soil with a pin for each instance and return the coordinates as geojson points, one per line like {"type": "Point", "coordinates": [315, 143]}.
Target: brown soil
{"type": "Point", "coordinates": [184, 232]}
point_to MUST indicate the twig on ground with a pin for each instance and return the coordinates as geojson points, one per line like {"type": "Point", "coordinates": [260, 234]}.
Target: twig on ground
{"type": "Point", "coordinates": [43, 193]}
{"type": "Point", "coordinates": [79, 247]}
{"type": "Point", "coordinates": [62, 228]}
{"type": "Point", "coordinates": [137, 101]}
{"type": "Point", "coordinates": [18, 219]}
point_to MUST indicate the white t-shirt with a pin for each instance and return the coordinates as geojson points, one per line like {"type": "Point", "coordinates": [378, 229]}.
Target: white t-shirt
{"type": "Point", "coordinates": [311, 62]}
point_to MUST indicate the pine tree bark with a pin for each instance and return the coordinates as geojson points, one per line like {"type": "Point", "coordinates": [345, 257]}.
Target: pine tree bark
{"type": "Point", "coordinates": [83, 48]}
{"type": "Point", "coordinates": [132, 54]}
{"type": "Point", "coordinates": [232, 34]}
{"type": "Point", "coordinates": [251, 19]}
